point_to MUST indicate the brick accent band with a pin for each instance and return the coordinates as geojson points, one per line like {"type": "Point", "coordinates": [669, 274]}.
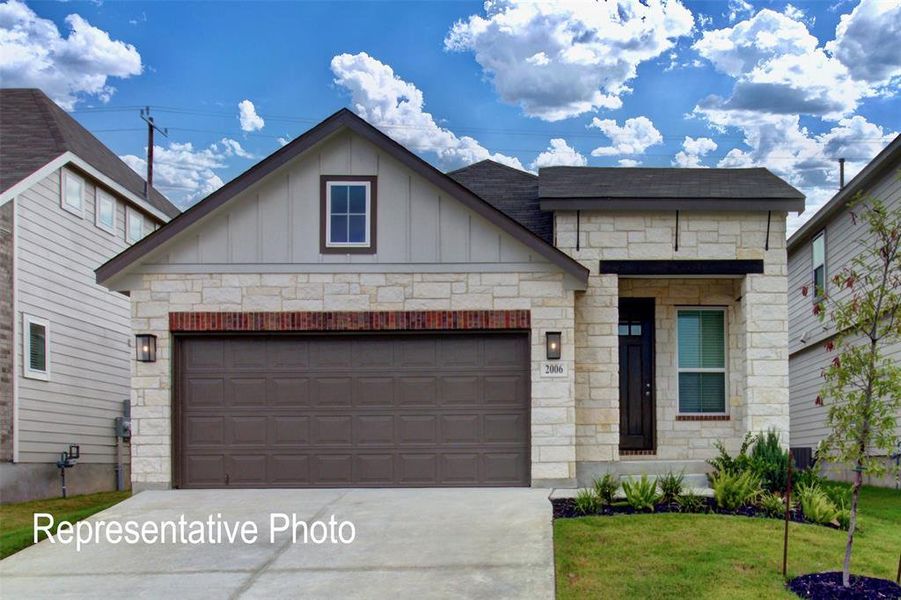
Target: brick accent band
{"type": "Point", "coordinates": [431, 320]}
{"type": "Point", "coordinates": [702, 417]}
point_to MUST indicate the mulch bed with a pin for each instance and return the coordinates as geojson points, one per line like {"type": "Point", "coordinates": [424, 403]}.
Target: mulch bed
{"type": "Point", "coordinates": [828, 586]}
{"type": "Point", "coordinates": [565, 508]}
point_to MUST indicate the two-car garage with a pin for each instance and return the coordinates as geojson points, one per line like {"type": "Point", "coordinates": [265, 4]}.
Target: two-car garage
{"type": "Point", "coordinates": [352, 410]}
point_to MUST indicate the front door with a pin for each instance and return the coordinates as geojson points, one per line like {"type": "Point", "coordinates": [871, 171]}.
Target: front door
{"type": "Point", "coordinates": [636, 373]}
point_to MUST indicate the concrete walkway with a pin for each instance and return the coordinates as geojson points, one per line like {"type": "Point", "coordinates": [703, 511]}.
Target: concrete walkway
{"type": "Point", "coordinates": [423, 543]}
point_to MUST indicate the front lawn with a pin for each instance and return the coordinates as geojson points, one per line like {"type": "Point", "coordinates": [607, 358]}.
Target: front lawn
{"type": "Point", "coordinates": [715, 556]}
{"type": "Point", "coordinates": [17, 520]}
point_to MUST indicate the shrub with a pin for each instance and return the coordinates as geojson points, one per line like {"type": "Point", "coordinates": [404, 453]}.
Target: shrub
{"type": "Point", "coordinates": [641, 494]}
{"type": "Point", "coordinates": [770, 461]}
{"type": "Point", "coordinates": [588, 502]}
{"type": "Point", "coordinates": [816, 505]}
{"type": "Point", "coordinates": [839, 493]}
{"type": "Point", "coordinates": [733, 490]}
{"type": "Point", "coordinates": [773, 504]}
{"type": "Point", "coordinates": [807, 477]}
{"type": "Point", "coordinates": [671, 486]}
{"type": "Point", "coordinates": [724, 463]}
{"type": "Point", "coordinates": [605, 487]}
{"type": "Point", "coordinates": [690, 502]}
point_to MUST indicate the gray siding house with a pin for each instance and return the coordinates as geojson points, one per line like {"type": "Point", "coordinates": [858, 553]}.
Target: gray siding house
{"type": "Point", "coordinates": [67, 204]}
{"type": "Point", "coordinates": [819, 249]}
{"type": "Point", "coordinates": [343, 314]}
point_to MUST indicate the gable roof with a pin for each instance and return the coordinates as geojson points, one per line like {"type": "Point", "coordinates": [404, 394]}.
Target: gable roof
{"type": "Point", "coordinates": [343, 119]}
{"type": "Point", "coordinates": [889, 158]}
{"type": "Point", "coordinates": [35, 131]}
{"type": "Point", "coordinates": [665, 188]}
{"type": "Point", "coordinates": [513, 192]}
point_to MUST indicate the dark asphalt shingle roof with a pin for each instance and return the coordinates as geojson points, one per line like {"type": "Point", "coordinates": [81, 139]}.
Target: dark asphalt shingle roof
{"type": "Point", "coordinates": [509, 190]}
{"type": "Point", "coordinates": [34, 131]}
{"type": "Point", "coordinates": [662, 183]}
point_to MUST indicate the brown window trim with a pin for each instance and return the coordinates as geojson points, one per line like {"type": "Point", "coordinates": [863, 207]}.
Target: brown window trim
{"type": "Point", "coordinates": [323, 214]}
{"type": "Point", "coordinates": [702, 417]}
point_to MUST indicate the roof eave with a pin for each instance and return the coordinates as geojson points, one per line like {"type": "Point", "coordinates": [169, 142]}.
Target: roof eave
{"type": "Point", "coordinates": [693, 204]}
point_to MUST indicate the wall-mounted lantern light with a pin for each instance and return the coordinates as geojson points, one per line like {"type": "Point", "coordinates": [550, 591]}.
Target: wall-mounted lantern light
{"type": "Point", "coordinates": [145, 347]}
{"type": "Point", "coordinates": [554, 340]}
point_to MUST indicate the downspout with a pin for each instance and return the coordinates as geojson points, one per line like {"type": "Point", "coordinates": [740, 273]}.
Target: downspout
{"type": "Point", "coordinates": [15, 330]}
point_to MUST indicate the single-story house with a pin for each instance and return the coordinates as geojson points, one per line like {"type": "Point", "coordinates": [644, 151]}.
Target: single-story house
{"type": "Point", "coordinates": [819, 249]}
{"type": "Point", "coordinates": [344, 314]}
{"type": "Point", "coordinates": [67, 204]}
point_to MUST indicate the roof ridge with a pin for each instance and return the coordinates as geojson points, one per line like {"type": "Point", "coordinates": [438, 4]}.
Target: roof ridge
{"type": "Point", "coordinates": [493, 162]}
{"type": "Point", "coordinates": [42, 100]}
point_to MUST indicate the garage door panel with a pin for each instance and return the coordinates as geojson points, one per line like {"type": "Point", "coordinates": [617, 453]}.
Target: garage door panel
{"type": "Point", "coordinates": [333, 411]}
{"type": "Point", "coordinates": [289, 430]}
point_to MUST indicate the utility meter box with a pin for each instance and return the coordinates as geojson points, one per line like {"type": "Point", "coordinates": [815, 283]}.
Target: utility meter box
{"type": "Point", "coordinates": [123, 427]}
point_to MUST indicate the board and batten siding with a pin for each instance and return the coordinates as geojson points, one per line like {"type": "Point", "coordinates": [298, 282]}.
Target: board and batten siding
{"type": "Point", "coordinates": [90, 329]}
{"type": "Point", "coordinates": [274, 226]}
{"type": "Point", "coordinates": [807, 334]}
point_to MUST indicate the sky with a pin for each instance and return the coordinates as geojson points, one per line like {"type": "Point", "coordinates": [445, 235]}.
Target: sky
{"type": "Point", "coordinates": [653, 83]}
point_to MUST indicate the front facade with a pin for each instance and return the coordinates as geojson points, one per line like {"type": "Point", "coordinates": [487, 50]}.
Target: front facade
{"type": "Point", "coordinates": [345, 315]}
{"type": "Point", "coordinates": [817, 251]}
{"type": "Point", "coordinates": [65, 342]}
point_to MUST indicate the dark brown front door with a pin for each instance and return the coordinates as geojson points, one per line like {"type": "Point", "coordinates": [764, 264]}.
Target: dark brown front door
{"type": "Point", "coordinates": [636, 373]}
{"type": "Point", "coordinates": [353, 410]}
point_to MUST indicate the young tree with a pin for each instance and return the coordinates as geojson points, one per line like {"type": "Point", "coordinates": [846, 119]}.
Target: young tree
{"type": "Point", "coordinates": [862, 386]}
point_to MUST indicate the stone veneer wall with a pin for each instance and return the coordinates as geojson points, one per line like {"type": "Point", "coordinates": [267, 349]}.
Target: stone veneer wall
{"type": "Point", "coordinates": [760, 318]}
{"type": "Point", "coordinates": [6, 331]}
{"type": "Point", "coordinates": [543, 294]}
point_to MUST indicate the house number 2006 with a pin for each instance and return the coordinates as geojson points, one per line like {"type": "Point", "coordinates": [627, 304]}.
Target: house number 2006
{"type": "Point", "coordinates": [553, 369]}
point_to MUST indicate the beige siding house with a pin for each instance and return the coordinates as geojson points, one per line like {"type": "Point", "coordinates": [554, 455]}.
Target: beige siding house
{"type": "Point", "coordinates": [825, 244]}
{"type": "Point", "coordinates": [67, 205]}
{"type": "Point", "coordinates": [343, 314]}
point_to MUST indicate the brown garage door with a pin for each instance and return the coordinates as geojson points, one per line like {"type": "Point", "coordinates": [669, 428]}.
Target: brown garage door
{"type": "Point", "coordinates": [353, 410]}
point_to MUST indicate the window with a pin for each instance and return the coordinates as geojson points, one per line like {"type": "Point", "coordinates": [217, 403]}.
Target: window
{"type": "Point", "coordinates": [105, 209]}
{"type": "Point", "coordinates": [701, 360]}
{"type": "Point", "coordinates": [73, 193]}
{"type": "Point", "coordinates": [819, 265]}
{"type": "Point", "coordinates": [36, 340]}
{"type": "Point", "coordinates": [134, 225]}
{"type": "Point", "coordinates": [348, 214]}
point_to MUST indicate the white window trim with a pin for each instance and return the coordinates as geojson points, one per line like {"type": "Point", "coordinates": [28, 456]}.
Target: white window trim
{"type": "Point", "coordinates": [98, 196]}
{"type": "Point", "coordinates": [62, 193]}
{"type": "Point", "coordinates": [328, 215]}
{"type": "Point", "coordinates": [813, 267]}
{"type": "Point", "coordinates": [724, 370]}
{"type": "Point", "coordinates": [28, 372]}
{"type": "Point", "coordinates": [130, 214]}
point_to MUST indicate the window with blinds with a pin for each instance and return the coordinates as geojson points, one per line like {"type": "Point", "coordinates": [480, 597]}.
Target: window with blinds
{"type": "Point", "coordinates": [818, 255]}
{"type": "Point", "coordinates": [35, 338]}
{"type": "Point", "coordinates": [702, 360]}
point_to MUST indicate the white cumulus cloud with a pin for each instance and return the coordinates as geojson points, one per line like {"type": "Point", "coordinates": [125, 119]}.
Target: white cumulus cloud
{"type": "Point", "coordinates": [33, 53]}
{"type": "Point", "coordinates": [397, 107]}
{"type": "Point", "coordinates": [247, 115]}
{"type": "Point", "coordinates": [560, 59]}
{"type": "Point", "coordinates": [187, 174]}
{"type": "Point", "coordinates": [559, 153]}
{"type": "Point", "coordinates": [693, 150]}
{"type": "Point", "coordinates": [866, 41]}
{"type": "Point", "coordinates": [634, 137]}
{"type": "Point", "coordinates": [628, 162]}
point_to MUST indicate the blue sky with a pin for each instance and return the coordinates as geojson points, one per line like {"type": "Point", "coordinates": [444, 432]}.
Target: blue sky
{"type": "Point", "coordinates": [789, 86]}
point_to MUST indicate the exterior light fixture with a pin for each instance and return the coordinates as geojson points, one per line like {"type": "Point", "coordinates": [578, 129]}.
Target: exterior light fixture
{"type": "Point", "coordinates": [554, 341]}
{"type": "Point", "coordinates": [145, 347]}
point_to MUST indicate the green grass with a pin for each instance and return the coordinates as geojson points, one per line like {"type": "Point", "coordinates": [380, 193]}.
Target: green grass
{"type": "Point", "coordinates": [17, 520]}
{"type": "Point", "coordinates": [715, 556]}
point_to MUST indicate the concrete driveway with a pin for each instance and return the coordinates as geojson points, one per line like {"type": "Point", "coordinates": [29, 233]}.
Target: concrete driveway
{"type": "Point", "coordinates": [422, 543]}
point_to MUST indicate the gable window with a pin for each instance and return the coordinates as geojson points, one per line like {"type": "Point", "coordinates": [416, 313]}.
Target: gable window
{"type": "Point", "coordinates": [818, 251]}
{"type": "Point", "coordinates": [36, 342]}
{"type": "Point", "coordinates": [73, 193]}
{"type": "Point", "coordinates": [105, 209]}
{"type": "Point", "coordinates": [348, 210]}
{"type": "Point", "coordinates": [134, 225]}
{"type": "Point", "coordinates": [701, 358]}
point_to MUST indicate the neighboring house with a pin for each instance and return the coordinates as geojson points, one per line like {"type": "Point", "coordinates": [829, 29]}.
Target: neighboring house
{"type": "Point", "coordinates": [343, 314]}
{"type": "Point", "coordinates": [67, 204]}
{"type": "Point", "coordinates": [816, 252]}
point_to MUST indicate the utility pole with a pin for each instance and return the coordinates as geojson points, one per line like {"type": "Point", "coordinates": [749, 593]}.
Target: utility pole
{"type": "Point", "coordinates": [151, 127]}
